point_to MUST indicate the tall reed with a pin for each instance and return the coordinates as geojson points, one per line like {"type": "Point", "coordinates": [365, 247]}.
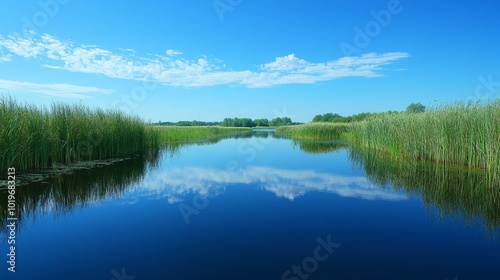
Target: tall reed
{"type": "Point", "coordinates": [316, 131]}
{"type": "Point", "coordinates": [465, 134]}
{"type": "Point", "coordinates": [34, 138]}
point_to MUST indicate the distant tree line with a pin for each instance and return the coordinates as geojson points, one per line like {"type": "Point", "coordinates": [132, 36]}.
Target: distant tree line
{"type": "Point", "coordinates": [331, 117]}
{"type": "Point", "coordinates": [328, 117]}
{"type": "Point", "coordinates": [235, 122]}
{"type": "Point", "coordinates": [189, 123]}
{"type": "Point", "coordinates": [246, 122]}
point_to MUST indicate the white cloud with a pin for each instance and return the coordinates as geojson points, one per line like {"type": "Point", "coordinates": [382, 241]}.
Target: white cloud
{"type": "Point", "coordinates": [59, 90]}
{"type": "Point", "coordinates": [182, 72]}
{"type": "Point", "coordinates": [126, 50]}
{"type": "Point", "coordinates": [171, 52]}
{"type": "Point", "coordinates": [5, 58]}
{"type": "Point", "coordinates": [286, 63]}
{"type": "Point", "coordinates": [176, 183]}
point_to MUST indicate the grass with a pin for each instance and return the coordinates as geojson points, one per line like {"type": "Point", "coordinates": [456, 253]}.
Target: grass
{"type": "Point", "coordinates": [466, 134]}
{"type": "Point", "coordinates": [185, 133]}
{"type": "Point", "coordinates": [463, 134]}
{"type": "Point", "coordinates": [38, 138]}
{"type": "Point", "coordinates": [316, 131]}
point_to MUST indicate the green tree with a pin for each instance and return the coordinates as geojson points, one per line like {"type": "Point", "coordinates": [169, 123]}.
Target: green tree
{"type": "Point", "coordinates": [328, 117]}
{"type": "Point", "coordinates": [286, 121]}
{"type": "Point", "coordinates": [317, 118]}
{"type": "Point", "coordinates": [280, 121]}
{"type": "Point", "coordinates": [415, 108]}
{"type": "Point", "coordinates": [227, 122]}
{"type": "Point", "coordinates": [247, 122]}
{"type": "Point", "coordinates": [261, 122]}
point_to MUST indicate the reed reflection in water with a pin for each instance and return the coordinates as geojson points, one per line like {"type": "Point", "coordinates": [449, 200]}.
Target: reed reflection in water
{"type": "Point", "coordinates": [61, 194]}
{"type": "Point", "coordinates": [448, 191]}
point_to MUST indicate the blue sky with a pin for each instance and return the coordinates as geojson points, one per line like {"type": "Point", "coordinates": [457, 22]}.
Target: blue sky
{"type": "Point", "coordinates": [206, 59]}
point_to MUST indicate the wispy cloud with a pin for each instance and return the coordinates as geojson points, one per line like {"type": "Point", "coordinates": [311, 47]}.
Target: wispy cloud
{"type": "Point", "coordinates": [289, 69]}
{"type": "Point", "coordinates": [59, 90]}
{"type": "Point", "coordinates": [171, 52]}
{"type": "Point", "coordinates": [126, 50]}
{"type": "Point", "coordinates": [5, 58]}
{"type": "Point", "coordinates": [176, 183]}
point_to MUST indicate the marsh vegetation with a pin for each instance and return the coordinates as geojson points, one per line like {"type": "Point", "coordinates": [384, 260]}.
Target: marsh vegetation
{"type": "Point", "coordinates": [317, 131]}
{"type": "Point", "coordinates": [37, 138]}
{"type": "Point", "coordinates": [465, 134]}
{"type": "Point", "coordinates": [181, 133]}
{"type": "Point", "coordinates": [462, 134]}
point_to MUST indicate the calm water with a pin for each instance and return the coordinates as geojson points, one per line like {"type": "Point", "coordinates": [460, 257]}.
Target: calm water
{"type": "Point", "coordinates": [258, 207]}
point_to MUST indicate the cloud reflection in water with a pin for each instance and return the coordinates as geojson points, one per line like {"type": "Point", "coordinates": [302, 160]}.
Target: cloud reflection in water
{"type": "Point", "coordinates": [174, 184]}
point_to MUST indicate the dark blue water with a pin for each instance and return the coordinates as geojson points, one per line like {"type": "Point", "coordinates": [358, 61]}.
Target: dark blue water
{"type": "Point", "coordinates": [248, 208]}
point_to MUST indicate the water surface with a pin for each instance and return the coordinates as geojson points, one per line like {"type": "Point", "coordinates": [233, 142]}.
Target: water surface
{"type": "Point", "coordinates": [259, 206]}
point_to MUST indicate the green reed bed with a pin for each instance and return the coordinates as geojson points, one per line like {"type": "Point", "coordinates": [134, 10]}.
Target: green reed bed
{"type": "Point", "coordinates": [458, 134]}
{"type": "Point", "coordinates": [316, 131]}
{"type": "Point", "coordinates": [184, 133]}
{"type": "Point", "coordinates": [35, 138]}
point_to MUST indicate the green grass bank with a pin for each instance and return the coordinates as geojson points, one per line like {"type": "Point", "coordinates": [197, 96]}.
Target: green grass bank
{"type": "Point", "coordinates": [191, 133]}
